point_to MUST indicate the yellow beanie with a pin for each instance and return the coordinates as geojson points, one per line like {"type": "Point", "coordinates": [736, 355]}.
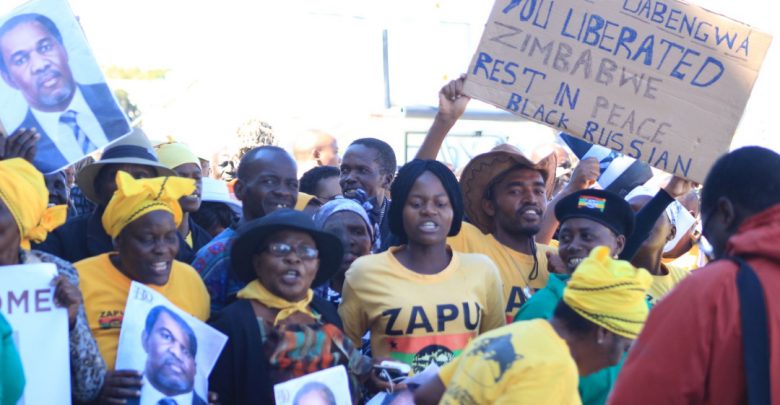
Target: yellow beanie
{"type": "Point", "coordinates": [610, 293]}
{"type": "Point", "coordinates": [23, 190]}
{"type": "Point", "coordinates": [175, 154]}
{"type": "Point", "coordinates": [135, 198]}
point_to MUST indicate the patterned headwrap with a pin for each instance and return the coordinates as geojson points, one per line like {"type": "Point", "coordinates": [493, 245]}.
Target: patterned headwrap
{"type": "Point", "coordinates": [24, 192]}
{"type": "Point", "coordinates": [339, 205]}
{"type": "Point", "coordinates": [610, 293]}
{"type": "Point", "coordinates": [135, 198]}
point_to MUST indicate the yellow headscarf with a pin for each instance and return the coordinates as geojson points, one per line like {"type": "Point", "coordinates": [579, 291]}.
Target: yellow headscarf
{"type": "Point", "coordinates": [256, 291]}
{"type": "Point", "coordinates": [610, 293]}
{"type": "Point", "coordinates": [135, 198]}
{"type": "Point", "coordinates": [24, 192]}
{"type": "Point", "coordinates": [175, 154]}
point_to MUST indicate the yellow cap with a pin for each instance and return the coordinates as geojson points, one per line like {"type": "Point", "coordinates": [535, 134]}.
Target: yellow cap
{"type": "Point", "coordinates": [175, 154]}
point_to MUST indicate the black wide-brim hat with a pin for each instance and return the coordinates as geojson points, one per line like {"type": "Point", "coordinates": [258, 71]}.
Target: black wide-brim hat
{"type": "Point", "coordinates": [252, 235]}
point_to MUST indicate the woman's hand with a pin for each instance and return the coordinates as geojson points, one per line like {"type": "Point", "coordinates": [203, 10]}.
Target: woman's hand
{"type": "Point", "coordinates": [68, 296]}
{"type": "Point", "coordinates": [22, 144]}
{"type": "Point", "coordinates": [120, 385]}
{"type": "Point", "coordinates": [377, 383]}
{"type": "Point", "coordinates": [555, 264]}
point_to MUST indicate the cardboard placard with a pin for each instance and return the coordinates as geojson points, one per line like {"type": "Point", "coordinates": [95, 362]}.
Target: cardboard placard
{"type": "Point", "coordinates": [51, 82]}
{"type": "Point", "coordinates": [662, 81]}
{"type": "Point", "coordinates": [40, 331]}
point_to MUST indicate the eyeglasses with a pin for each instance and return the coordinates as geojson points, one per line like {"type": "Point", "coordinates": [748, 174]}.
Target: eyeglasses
{"type": "Point", "coordinates": [283, 249]}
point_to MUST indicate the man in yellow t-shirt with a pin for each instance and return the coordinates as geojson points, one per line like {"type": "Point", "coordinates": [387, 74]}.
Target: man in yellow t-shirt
{"type": "Point", "coordinates": [505, 197]}
{"type": "Point", "coordinates": [538, 361]}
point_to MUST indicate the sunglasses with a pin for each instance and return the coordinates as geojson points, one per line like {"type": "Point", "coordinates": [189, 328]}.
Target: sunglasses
{"type": "Point", "coordinates": [283, 249]}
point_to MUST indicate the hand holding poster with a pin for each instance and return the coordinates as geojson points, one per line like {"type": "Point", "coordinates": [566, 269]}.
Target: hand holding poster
{"type": "Point", "coordinates": [661, 81]}
{"type": "Point", "coordinates": [52, 83]}
{"type": "Point", "coordinates": [40, 329]}
{"type": "Point", "coordinates": [329, 386]}
{"type": "Point", "coordinates": [175, 351]}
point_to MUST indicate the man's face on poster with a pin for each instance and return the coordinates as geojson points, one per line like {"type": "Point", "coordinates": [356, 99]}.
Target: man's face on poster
{"type": "Point", "coordinates": [170, 364]}
{"type": "Point", "coordinates": [37, 65]}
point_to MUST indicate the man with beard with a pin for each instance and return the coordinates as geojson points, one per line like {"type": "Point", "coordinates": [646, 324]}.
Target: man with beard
{"type": "Point", "coordinates": [266, 182]}
{"type": "Point", "coordinates": [171, 346]}
{"type": "Point", "coordinates": [72, 119]}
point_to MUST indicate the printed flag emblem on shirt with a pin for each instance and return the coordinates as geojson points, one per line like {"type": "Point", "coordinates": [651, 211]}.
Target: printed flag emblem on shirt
{"type": "Point", "coordinates": [421, 351]}
{"type": "Point", "coordinates": [594, 203]}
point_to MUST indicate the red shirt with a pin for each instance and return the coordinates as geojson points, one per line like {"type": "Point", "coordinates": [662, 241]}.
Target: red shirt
{"type": "Point", "coordinates": [690, 351]}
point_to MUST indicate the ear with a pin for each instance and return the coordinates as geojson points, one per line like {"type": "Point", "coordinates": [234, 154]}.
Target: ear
{"type": "Point", "coordinates": [144, 340]}
{"type": "Point", "coordinates": [603, 336]}
{"type": "Point", "coordinates": [620, 244]}
{"type": "Point", "coordinates": [488, 207]}
{"type": "Point", "coordinates": [8, 80]}
{"type": "Point", "coordinates": [239, 189]}
{"type": "Point", "coordinates": [115, 243]}
{"type": "Point", "coordinates": [388, 181]}
{"type": "Point", "coordinates": [315, 155]}
{"type": "Point", "coordinates": [672, 233]}
{"type": "Point", "coordinates": [728, 212]}
{"type": "Point", "coordinates": [256, 264]}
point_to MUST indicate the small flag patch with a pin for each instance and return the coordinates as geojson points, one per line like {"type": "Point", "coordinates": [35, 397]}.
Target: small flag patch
{"type": "Point", "coordinates": [594, 203]}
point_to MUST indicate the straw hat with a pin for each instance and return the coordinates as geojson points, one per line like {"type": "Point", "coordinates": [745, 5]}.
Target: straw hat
{"type": "Point", "coordinates": [483, 169]}
{"type": "Point", "coordinates": [132, 149]}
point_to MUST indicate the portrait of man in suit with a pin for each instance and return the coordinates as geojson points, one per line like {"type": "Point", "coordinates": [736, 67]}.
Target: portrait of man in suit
{"type": "Point", "coordinates": [73, 119]}
{"type": "Point", "coordinates": [171, 346]}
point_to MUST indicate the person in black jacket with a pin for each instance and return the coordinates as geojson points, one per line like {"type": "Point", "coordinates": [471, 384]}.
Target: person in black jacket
{"type": "Point", "coordinates": [83, 237]}
{"type": "Point", "coordinates": [277, 329]}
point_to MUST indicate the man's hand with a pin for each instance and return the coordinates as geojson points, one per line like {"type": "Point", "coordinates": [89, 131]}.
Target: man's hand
{"type": "Point", "coordinates": [22, 144]}
{"type": "Point", "coordinates": [66, 295]}
{"type": "Point", "coordinates": [120, 385]}
{"type": "Point", "coordinates": [678, 187]}
{"type": "Point", "coordinates": [452, 101]}
{"type": "Point", "coordinates": [555, 264]}
{"type": "Point", "coordinates": [585, 174]}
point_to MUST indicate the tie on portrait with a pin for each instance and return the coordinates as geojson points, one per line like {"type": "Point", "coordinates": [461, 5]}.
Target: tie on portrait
{"type": "Point", "coordinates": [68, 120]}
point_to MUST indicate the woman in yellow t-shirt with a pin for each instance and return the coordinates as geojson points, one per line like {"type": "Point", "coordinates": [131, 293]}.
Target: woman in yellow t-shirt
{"type": "Point", "coordinates": [142, 219]}
{"type": "Point", "coordinates": [422, 301]}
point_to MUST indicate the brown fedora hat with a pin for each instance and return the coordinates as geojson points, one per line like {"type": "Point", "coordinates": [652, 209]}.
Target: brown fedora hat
{"type": "Point", "coordinates": [132, 149]}
{"type": "Point", "coordinates": [481, 171]}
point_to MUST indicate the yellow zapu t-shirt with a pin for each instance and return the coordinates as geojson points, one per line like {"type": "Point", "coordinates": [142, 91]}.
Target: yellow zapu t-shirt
{"type": "Point", "coordinates": [522, 363]}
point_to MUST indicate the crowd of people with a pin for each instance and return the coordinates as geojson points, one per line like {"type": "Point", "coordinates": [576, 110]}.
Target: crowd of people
{"type": "Point", "coordinates": [511, 282]}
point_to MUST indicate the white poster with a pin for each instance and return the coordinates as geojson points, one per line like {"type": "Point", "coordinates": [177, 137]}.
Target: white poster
{"type": "Point", "coordinates": [40, 331]}
{"type": "Point", "coordinates": [174, 350]}
{"type": "Point", "coordinates": [329, 386]}
{"type": "Point", "coordinates": [51, 82]}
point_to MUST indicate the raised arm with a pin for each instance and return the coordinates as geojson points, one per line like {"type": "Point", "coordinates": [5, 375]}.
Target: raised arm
{"type": "Point", "coordinates": [452, 104]}
{"type": "Point", "coordinates": [585, 174]}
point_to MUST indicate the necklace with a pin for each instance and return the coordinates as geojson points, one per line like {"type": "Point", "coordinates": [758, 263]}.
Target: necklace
{"type": "Point", "coordinates": [527, 292]}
